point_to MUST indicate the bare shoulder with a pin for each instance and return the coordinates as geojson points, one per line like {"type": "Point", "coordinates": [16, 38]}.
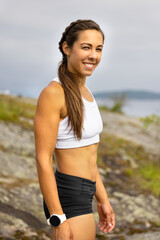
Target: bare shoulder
{"type": "Point", "coordinates": [52, 96]}
{"type": "Point", "coordinates": [46, 120]}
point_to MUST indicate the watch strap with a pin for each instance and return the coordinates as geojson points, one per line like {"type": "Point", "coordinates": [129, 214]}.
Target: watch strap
{"type": "Point", "coordinates": [61, 217]}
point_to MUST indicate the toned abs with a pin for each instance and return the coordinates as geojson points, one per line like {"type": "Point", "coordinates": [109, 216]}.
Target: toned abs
{"type": "Point", "coordinates": [80, 162]}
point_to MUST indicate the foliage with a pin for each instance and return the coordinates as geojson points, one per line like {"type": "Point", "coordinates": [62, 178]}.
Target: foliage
{"type": "Point", "coordinates": [14, 109]}
{"type": "Point", "coordinates": [146, 175]}
{"type": "Point", "coordinates": [153, 119]}
{"type": "Point", "coordinates": [104, 108]}
{"type": "Point", "coordinates": [119, 102]}
{"type": "Point", "coordinates": [116, 146]}
{"type": "Point", "coordinates": [150, 173]}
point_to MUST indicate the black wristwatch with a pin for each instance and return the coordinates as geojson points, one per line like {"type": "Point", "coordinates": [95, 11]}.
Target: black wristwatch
{"type": "Point", "coordinates": [55, 220]}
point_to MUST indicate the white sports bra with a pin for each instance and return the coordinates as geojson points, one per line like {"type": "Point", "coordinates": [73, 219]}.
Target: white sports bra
{"type": "Point", "coordinates": [92, 127]}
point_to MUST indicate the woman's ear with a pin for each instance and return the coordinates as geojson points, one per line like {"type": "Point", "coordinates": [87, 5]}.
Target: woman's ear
{"type": "Point", "coordinates": [65, 48]}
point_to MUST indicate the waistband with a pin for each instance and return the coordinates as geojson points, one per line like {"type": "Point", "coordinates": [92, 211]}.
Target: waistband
{"type": "Point", "coordinates": [74, 178]}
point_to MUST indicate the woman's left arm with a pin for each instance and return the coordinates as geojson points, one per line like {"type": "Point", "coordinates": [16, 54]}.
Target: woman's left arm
{"type": "Point", "coordinates": [105, 211]}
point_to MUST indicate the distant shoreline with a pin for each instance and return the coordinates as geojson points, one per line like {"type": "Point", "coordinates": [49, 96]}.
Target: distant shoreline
{"type": "Point", "coordinates": [129, 94]}
{"type": "Point", "coordinates": [135, 107]}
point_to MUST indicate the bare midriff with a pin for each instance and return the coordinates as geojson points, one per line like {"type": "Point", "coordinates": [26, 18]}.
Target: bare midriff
{"type": "Point", "coordinates": [80, 162]}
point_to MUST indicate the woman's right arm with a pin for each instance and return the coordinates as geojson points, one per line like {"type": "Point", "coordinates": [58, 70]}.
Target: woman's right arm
{"type": "Point", "coordinates": [46, 122]}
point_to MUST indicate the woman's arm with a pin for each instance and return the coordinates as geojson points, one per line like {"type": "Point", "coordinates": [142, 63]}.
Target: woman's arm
{"type": "Point", "coordinates": [46, 124]}
{"type": "Point", "coordinates": [105, 211]}
{"type": "Point", "coordinates": [101, 194]}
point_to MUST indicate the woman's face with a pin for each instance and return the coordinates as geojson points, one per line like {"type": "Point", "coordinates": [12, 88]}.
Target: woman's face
{"type": "Point", "coordinates": [85, 54]}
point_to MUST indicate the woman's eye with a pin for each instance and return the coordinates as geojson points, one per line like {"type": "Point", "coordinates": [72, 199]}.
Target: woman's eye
{"type": "Point", "coordinates": [99, 49]}
{"type": "Point", "coordinates": [86, 47]}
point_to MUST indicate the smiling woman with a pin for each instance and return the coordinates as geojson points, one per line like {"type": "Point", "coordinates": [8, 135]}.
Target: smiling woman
{"type": "Point", "coordinates": [85, 54]}
{"type": "Point", "coordinates": [68, 124]}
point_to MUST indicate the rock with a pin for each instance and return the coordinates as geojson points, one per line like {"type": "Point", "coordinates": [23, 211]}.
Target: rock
{"type": "Point", "coordinates": [12, 227]}
{"type": "Point", "coordinates": [131, 161]}
{"type": "Point", "coordinates": [132, 129]}
{"type": "Point", "coordinates": [16, 140]}
{"type": "Point", "coordinates": [139, 208]}
{"type": "Point", "coordinates": [144, 236]}
{"type": "Point", "coordinates": [102, 171]}
{"type": "Point", "coordinates": [17, 166]}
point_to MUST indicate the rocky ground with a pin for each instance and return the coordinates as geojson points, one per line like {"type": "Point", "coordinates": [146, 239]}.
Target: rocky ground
{"type": "Point", "coordinates": [21, 215]}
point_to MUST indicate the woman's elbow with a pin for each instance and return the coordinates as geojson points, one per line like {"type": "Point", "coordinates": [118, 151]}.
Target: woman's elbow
{"type": "Point", "coordinates": [44, 162]}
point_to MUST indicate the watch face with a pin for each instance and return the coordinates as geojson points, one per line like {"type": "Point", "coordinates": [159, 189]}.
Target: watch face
{"type": "Point", "coordinates": [55, 221]}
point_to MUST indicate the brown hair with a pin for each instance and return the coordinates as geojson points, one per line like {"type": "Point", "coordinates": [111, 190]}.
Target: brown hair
{"type": "Point", "coordinates": [73, 97]}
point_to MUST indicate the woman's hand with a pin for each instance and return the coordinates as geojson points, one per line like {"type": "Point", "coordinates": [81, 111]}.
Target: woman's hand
{"type": "Point", "coordinates": [62, 232]}
{"type": "Point", "coordinates": [106, 217]}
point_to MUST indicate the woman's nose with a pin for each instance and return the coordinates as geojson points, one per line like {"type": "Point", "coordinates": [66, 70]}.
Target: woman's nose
{"type": "Point", "coordinates": [93, 54]}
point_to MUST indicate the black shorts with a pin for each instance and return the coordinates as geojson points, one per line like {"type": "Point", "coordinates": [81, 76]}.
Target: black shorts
{"type": "Point", "coordinates": [75, 194]}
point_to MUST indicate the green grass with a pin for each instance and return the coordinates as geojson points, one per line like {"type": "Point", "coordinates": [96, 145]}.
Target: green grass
{"type": "Point", "coordinates": [13, 108]}
{"type": "Point", "coordinates": [147, 176]}
{"type": "Point", "coordinates": [147, 173]}
{"type": "Point", "coordinates": [116, 108]}
{"type": "Point", "coordinates": [150, 174]}
{"type": "Point", "coordinates": [157, 223]}
{"type": "Point", "coordinates": [104, 108]}
{"type": "Point", "coordinates": [113, 146]}
{"type": "Point", "coordinates": [129, 171]}
{"type": "Point", "coordinates": [153, 119]}
{"type": "Point", "coordinates": [150, 171]}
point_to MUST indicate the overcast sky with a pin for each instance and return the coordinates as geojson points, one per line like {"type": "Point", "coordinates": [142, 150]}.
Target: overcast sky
{"type": "Point", "coordinates": [31, 29]}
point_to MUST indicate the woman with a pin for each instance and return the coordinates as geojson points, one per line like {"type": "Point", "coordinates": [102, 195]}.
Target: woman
{"type": "Point", "coordinates": [67, 124]}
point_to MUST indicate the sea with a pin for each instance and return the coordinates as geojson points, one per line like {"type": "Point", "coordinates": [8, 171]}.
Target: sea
{"type": "Point", "coordinates": [135, 107]}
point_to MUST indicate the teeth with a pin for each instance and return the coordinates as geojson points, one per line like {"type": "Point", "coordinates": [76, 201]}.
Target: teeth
{"type": "Point", "coordinates": [88, 65]}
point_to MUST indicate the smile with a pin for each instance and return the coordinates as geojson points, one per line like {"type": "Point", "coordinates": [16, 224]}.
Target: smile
{"type": "Point", "coordinates": [89, 65]}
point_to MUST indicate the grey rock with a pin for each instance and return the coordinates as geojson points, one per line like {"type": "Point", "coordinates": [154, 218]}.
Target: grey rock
{"type": "Point", "coordinates": [144, 236]}
{"type": "Point", "coordinates": [141, 208]}
{"type": "Point", "coordinates": [132, 129]}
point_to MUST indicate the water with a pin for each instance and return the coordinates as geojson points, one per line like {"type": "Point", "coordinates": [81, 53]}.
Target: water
{"type": "Point", "coordinates": [136, 107]}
